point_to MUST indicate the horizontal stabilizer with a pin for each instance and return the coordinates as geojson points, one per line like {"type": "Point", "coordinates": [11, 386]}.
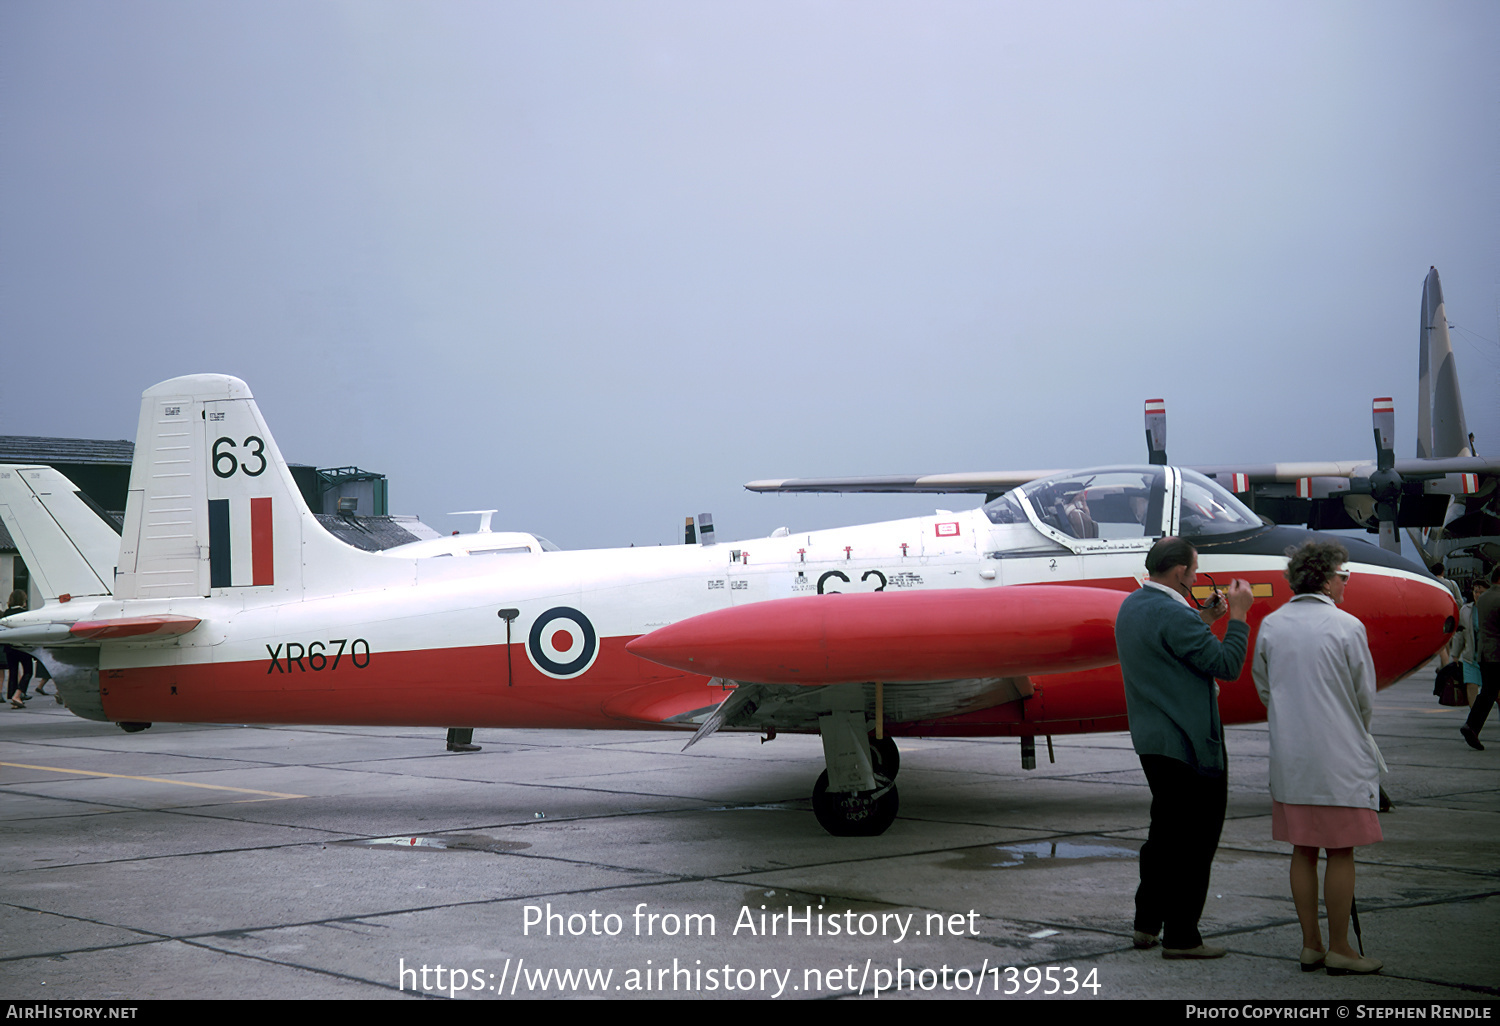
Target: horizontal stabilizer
{"type": "Point", "coordinates": [135, 627]}
{"type": "Point", "coordinates": [33, 634]}
{"type": "Point", "coordinates": [896, 636]}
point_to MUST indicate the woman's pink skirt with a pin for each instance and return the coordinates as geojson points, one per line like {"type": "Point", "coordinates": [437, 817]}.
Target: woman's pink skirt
{"type": "Point", "coordinates": [1324, 826]}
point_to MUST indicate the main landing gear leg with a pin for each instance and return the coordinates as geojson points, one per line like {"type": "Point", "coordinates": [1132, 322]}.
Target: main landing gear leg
{"type": "Point", "coordinates": [852, 797]}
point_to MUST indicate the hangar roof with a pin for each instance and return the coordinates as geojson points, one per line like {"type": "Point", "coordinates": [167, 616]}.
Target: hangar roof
{"type": "Point", "coordinates": [28, 449]}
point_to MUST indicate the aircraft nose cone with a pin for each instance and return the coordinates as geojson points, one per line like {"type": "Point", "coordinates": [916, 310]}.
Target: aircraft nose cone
{"type": "Point", "coordinates": [1407, 619]}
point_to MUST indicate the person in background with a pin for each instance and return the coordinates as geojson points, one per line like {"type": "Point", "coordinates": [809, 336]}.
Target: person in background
{"type": "Point", "coordinates": [1313, 671]}
{"type": "Point", "coordinates": [1441, 573]}
{"type": "Point", "coordinates": [17, 663]}
{"type": "Point", "coordinates": [1466, 641]}
{"type": "Point", "coordinates": [1487, 646]}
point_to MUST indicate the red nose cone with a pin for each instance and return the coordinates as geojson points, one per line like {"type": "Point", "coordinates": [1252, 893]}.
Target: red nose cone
{"type": "Point", "coordinates": [896, 636]}
{"type": "Point", "coordinates": [1407, 619]}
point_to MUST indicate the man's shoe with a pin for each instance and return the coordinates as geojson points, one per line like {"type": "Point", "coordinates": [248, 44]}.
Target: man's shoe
{"type": "Point", "coordinates": [1472, 738]}
{"type": "Point", "coordinates": [1201, 951]}
{"type": "Point", "coordinates": [463, 748]}
{"type": "Point", "coordinates": [1145, 941]}
{"type": "Point", "coordinates": [1343, 965]}
{"type": "Point", "coordinates": [1312, 960]}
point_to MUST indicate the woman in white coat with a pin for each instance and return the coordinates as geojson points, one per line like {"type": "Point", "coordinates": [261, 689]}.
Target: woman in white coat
{"type": "Point", "coordinates": [1314, 673]}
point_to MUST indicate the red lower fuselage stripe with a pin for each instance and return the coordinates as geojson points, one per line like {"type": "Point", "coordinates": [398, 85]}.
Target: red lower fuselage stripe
{"type": "Point", "coordinates": [479, 686]}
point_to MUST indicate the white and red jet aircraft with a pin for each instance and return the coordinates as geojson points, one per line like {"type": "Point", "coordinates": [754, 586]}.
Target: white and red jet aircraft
{"type": "Point", "coordinates": [226, 601]}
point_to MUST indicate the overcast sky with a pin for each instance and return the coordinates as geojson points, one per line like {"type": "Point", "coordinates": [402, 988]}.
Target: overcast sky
{"type": "Point", "coordinates": [598, 264]}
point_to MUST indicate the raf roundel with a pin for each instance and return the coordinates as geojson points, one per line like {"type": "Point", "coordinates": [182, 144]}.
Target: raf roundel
{"type": "Point", "coordinates": [562, 643]}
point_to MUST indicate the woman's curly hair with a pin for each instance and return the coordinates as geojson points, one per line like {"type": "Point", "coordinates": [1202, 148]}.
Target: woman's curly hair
{"type": "Point", "coordinates": [1311, 563]}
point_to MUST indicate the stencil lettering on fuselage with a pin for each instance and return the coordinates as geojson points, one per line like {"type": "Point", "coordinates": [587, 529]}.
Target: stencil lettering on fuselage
{"type": "Point", "coordinates": [562, 643]}
{"type": "Point", "coordinates": [850, 582]}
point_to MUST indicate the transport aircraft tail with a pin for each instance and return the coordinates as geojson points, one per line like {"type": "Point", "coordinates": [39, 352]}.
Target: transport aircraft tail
{"type": "Point", "coordinates": [68, 544]}
{"type": "Point", "coordinates": [1441, 430]}
{"type": "Point", "coordinates": [213, 508]}
{"type": "Point", "coordinates": [1441, 427]}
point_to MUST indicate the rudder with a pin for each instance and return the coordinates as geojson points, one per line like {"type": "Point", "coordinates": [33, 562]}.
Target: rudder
{"type": "Point", "coordinates": [213, 505]}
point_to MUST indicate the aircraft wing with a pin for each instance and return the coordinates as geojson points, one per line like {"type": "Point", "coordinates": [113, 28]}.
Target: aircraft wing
{"type": "Point", "coordinates": [981, 483]}
{"type": "Point", "coordinates": [1290, 473]}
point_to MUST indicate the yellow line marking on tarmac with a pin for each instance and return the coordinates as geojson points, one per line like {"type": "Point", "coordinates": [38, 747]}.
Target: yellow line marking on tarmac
{"type": "Point", "coordinates": [153, 780]}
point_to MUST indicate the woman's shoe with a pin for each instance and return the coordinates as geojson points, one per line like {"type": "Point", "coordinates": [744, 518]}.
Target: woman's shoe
{"type": "Point", "coordinates": [1343, 965]}
{"type": "Point", "coordinates": [15, 700]}
{"type": "Point", "coordinates": [1312, 960]}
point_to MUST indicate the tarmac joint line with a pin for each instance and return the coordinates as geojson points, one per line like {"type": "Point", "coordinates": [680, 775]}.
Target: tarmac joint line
{"type": "Point", "coordinates": [269, 795]}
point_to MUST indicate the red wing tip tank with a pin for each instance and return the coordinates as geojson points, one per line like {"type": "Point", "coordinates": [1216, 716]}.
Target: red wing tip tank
{"type": "Point", "coordinates": [896, 636]}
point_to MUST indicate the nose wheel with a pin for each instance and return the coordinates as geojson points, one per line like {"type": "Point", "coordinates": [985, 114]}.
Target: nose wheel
{"type": "Point", "coordinates": [857, 813]}
{"type": "Point", "coordinates": [862, 813]}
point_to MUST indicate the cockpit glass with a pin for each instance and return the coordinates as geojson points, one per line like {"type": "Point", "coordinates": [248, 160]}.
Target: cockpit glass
{"type": "Point", "coordinates": [1005, 510]}
{"type": "Point", "coordinates": [1209, 508]}
{"type": "Point", "coordinates": [1121, 502]}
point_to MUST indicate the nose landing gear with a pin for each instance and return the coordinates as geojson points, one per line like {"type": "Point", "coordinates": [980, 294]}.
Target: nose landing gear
{"type": "Point", "coordinates": [866, 803]}
{"type": "Point", "coordinates": [857, 813]}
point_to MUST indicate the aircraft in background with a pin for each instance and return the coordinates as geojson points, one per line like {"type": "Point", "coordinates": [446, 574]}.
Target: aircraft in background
{"type": "Point", "coordinates": [1446, 498]}
{"type": "Point", "coordinates": [70, 544]}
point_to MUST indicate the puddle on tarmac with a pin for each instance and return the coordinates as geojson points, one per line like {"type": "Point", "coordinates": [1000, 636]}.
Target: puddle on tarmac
{"type": "Point", "coordinates": [1037, 853]}
{"type": "Point", "coordinates": [449, 842]}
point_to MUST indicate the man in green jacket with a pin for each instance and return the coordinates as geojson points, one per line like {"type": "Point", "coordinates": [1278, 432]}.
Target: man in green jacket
{"type": "Point", "coordinates": [1170, 659]}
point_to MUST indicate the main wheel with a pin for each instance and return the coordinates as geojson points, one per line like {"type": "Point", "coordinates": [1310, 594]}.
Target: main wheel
{"type": "Point", "coordinates": [885, 757]}
{"type": "Point", "coordinates": [857, 814]}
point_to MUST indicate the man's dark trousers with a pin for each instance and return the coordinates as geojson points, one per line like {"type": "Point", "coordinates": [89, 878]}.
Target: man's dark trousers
{"type": "Point", "coordinates": [1187, 815]}
{"type": "Point", "coordinates": [1489, 688]}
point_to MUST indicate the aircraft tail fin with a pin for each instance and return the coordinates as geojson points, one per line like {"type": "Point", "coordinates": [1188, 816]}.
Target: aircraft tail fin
{"type": "Point", "coordinates": [67, 543]}
{"type": "Point", "coordinates": [1441, 430]}
{"type": "Point", "coordinates": [213, 506]}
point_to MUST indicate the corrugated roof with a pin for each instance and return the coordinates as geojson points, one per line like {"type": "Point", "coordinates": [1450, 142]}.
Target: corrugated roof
{"type": "Point", "coordinates": [28, 449]}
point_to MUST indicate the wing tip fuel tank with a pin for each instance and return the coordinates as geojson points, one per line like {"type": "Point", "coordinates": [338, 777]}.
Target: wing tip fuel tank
{"type": "Point", "coordinates": [896, 636]}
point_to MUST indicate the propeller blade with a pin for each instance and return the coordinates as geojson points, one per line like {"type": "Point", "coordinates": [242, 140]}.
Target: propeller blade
{"type": "Point", "coordinates": [1385, 483]}
{"type": "Point", "coordinates": [1384, 416]}
{"type": "Point", "coordinates": [1156, 430]}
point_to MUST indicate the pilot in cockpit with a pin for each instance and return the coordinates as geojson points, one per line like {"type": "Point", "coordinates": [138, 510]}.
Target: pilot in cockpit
{"type": "Point", "coordinates": [1076, 509]}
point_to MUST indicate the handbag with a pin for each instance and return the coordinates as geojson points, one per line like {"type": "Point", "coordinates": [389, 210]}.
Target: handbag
{"type": "Point", "coordinates": [1450, 688]}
